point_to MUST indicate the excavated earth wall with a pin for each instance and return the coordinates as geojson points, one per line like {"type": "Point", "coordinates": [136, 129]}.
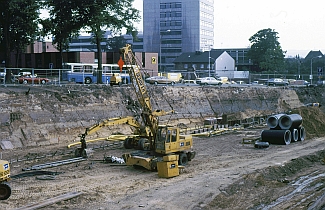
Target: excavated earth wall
{"type": "Point", "coordinates": [43, 115]}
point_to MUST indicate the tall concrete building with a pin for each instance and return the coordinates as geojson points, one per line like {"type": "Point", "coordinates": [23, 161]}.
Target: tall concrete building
{"type": "Point", "coordinates": [172, 27]}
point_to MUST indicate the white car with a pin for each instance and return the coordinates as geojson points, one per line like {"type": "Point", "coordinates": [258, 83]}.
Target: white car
{"type": "Point", "coordinates": [208, 81]}
{"type": "Point", "coordinates": [277, 81]}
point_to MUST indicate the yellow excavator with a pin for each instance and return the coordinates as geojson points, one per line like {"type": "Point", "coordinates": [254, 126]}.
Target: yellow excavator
{"type": "Point", "coordinates": [5, 190]}
{"type": "Point", "coordinates": [153, 140]}
{"type": "Point", "coordinates": [163, 140]}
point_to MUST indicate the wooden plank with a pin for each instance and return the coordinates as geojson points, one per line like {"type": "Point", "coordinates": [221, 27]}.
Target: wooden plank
{"type": "Point", "coordinates": [50, 201]}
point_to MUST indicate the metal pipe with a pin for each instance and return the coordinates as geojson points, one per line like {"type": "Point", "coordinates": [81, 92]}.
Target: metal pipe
{"type": "Point", "coordinates": [282, 137]}
{"type": "Point", "coordinates": [301, 133]}
{"type": "Point", "coordinates": [294, 135]}
{"type": "Point", "coordinates": [273, 121]}
{"type": "Point", "coordinates": [290, 121]}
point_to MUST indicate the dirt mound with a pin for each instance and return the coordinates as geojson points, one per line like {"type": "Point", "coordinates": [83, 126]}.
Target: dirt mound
{"type": "Point", "coordinates": [272, 183]}
{"type": "Point", "coordinates": [313, 119]}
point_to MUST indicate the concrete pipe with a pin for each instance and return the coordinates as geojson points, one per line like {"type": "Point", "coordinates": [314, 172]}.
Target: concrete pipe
{"type": "Point", "coordinates": [273, 121]}
{"type": "Point", "coordinates": [301, 133]}
{"type": "Point", "coordinates": [290, 121]}
{"type": "Point", "coordinates": [294, 135]}
{"type": "Point", "coordinates": [282, 137]}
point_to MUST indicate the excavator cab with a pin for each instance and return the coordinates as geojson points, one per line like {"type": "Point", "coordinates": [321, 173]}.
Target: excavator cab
{"type": "Point", "coordinates": [169, 140]}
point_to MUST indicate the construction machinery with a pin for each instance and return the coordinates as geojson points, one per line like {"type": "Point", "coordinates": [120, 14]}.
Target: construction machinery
{"type": "Point", "coordinates": [162, 140]}
{"type": "Point", "coordinates": [139, 131]}
{"type": "Point", "coordinates": [5, 190]}
{"type": "Point", "coordinates": [153, 140]}
{"type": "Point", "coordinates": [136, 140]}
{"type": "Point", "coordinates": [116, 79]}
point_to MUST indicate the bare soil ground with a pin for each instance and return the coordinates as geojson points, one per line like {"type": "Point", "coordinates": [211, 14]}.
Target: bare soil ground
{"type": "Point", "coordinates": [225, 174]}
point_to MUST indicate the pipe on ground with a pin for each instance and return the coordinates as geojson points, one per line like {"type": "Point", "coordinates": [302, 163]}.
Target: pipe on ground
{"type": "Point", "coordinates": [282, 137]}
{"type": "Point", "coordinates": [294, 134]}
{"type": "Point", "coordinates": [301, 133]}
{"type": "Point", "coordinates": [273, 121]}
{"type": "Point", "coordinates": [290, 121]}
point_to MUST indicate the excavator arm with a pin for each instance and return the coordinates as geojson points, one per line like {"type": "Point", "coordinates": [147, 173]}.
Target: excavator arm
{"type": "Point", "coordinates": [80, 152]}
{"type": "Point", "coordinates": [112, 121]}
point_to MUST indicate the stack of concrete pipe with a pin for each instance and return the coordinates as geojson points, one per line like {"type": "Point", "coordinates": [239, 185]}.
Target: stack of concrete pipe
{"type": "Point", "coordinates": [284, 129]}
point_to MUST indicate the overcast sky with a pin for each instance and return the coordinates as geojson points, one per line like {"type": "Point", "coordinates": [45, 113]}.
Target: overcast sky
{"type": "Point", "coordinates": [300, 24]}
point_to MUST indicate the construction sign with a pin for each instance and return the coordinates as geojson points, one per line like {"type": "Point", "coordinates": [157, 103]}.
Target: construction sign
{"type": "Point", "coordinates": [153, 60]}
{"type": "Point", "coordinates": [319, 71]}
{"type": "Point", "coordinates": [120, 63]}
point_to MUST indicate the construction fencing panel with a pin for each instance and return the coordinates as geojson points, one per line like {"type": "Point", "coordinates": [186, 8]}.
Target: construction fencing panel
{"type": "Point", "coordinates": [31, 76]}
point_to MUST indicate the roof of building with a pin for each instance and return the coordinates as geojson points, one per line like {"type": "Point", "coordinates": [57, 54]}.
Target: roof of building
{"type": "Point", "coordinates": [198, 57]}
{"type": "Point", "coordinates": [313, 54]}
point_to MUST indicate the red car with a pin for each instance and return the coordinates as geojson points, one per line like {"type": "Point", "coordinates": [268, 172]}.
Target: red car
{"type": "Point", "coordinates": [30, 79]}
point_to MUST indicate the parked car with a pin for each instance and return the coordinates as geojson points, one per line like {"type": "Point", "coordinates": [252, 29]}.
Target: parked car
{"type": "Point", "coordinates": [306, 83]}
{"type": "Point", "coordinates": [241, 82]}
{"type": "Point", "coordinates": [256, 83]}
{"type": "Point", "coordinates": [2, 76]}
{"type": "Point", "coordinates": [208, 81]}
{"type": "Point", "coordinates": [160, 80]}
{"type": "Point", "coordinates": [29, 79]}
{"type": "Point", "coordinates": [277, 81]}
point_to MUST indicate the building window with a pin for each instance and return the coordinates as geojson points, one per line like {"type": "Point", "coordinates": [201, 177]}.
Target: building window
{"type": "Point", "coordinates": [178, 5]}
{"type": "Point", "coordinates": [175, 23]}
{"type": "Point", "coordinates": [170, 41]}
{"type": "Point", "coordinates": [170, 14]}
{"type": "Point", "coordinates": [163, 23]}
{"type": "Point", "coordinates": [171, 50]}
{"type": "Point", "coordinates": [170, 5]}
{"type": "Point", "coordinates": [185, 66]}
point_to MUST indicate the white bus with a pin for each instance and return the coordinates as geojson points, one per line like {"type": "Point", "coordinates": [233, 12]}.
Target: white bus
{"type": "Point", "coordinates": [87, 73]}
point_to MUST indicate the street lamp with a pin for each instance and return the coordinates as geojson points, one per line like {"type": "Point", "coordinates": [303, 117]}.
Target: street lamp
{"type": "Point", "coordinates": [311, 69]}
{"type": "Point", "coordinates": [161, 35]}
{"type": "Point", "coordinates": [209, 57]}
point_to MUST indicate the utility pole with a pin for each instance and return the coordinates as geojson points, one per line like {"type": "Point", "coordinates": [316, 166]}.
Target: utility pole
{"type": "Point", "coordinates": [209, 58]}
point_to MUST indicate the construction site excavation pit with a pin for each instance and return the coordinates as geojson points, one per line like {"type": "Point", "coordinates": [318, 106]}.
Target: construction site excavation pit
{"type": "Point", "coordinates": [225, 174]}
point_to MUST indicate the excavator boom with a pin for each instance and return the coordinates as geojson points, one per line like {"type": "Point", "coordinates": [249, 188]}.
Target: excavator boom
{"type": "Point", "coordinates": [150, 120]}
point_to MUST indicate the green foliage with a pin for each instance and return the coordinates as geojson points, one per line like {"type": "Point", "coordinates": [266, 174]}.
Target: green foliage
{"type": "Point", "coordinates": [266, 51]}
{"type": "Point", "coordinates": [18, 25]}
{"type": "Point", "coordinates": [115, 43]}
{"type": "Point", "coordinates": [63, 23]}
{"type": "Point", "coordinates": [102, 15]}
{"type": "Point", "coordinates": [295, 66]}
{"type": "Point", "coordinates": [95, 16]}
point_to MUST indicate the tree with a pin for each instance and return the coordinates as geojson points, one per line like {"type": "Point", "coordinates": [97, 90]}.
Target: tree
{"type": "Point", "coordinates": [101, 15]}
{"type": "Point", "coordinates": [63, 23]}
{"type": "Point", "coordinates": [18, 27]}
{"type": "Point", "coordinates": [115, 43]}
{"type": "Point", "coordinates": [266, 51]}
{"type": "Point", "coordinates": [95, 16]}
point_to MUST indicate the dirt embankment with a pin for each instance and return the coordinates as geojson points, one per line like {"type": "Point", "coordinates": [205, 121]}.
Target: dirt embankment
{"type": "Point", "coordinates": [51, 115]}
{"type": "Point", "coordinates": [295, 184]}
